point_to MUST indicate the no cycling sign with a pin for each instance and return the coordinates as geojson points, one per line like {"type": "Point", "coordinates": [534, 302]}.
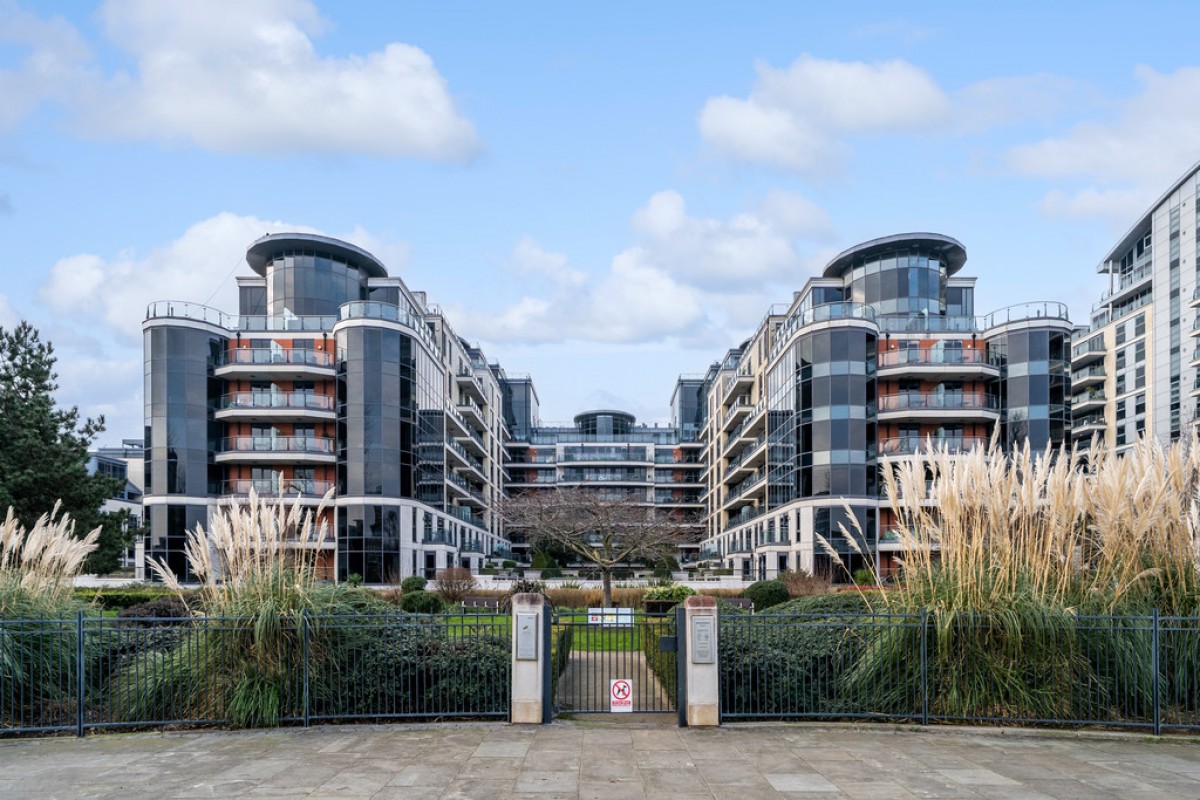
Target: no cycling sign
{"type": "Point", "coordinates": [620, 695]}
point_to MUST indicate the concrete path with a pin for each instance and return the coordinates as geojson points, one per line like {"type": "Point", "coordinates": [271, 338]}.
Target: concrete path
{"type": "Point", "coordinates": [584, 683]}
{"type": "Point", "coordinates": [577, 760]}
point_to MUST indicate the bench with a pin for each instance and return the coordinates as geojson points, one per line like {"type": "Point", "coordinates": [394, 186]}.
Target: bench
{"type": "Point", "coordinates": [738, 602]}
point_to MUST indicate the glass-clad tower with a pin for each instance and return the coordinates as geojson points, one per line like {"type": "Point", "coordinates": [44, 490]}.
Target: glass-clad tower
{"type": "Point", "coordinates": [876, 360]}
{"type": "Point", "coordinates": [334, 378]}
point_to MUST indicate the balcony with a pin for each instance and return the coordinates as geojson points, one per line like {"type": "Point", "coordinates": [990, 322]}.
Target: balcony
{"type": "Point", "coordinates": [1038, 310]}
{"type": "Point", "coordinates": [750, 457]}
{"type": "Point", "coordinates": [1092, 376]}
{"type": "Point", "coordinates": [740, 381]}
{"type": "Point", "coordinates": [473, 414]}
{"type": "Point", "coordinates": [308, 491]}
{"type": "Point", "coordinates": [459, 458]}
{"type": "Point", "coordinates": [1195, 301]}
{"type": "Point", "coordinates": [736, 413]}
{"type": "Point", "coordinates": [1196, 387]}
{"type": "Point", "coordinates": [277, 450]}
{"type": "Point", "coordinates": [276, 363]}
{"type": "Point", "coordinates": [912, 445]}
{"type": "Point", "coordinates": [470, 385]}
{"type": "Point", "coordinates": [170, 309]}
{"type": "Point", "coordinates": [947, 363]}
{"type": "Point", "coordinates": [1088, 426]}
{"type": "Point", "coordinates": [1088, 352]}
{"type": "Point", "coordinates": [916, 405]}
{"type": "Point", "coordinates": [1088, 401]}
{"type": "Point", "coordinates": [753, 486]}
{"type": "Point", "coordinates": [275, 407]}
{"type": "Point", "coordinates": [466, 515]}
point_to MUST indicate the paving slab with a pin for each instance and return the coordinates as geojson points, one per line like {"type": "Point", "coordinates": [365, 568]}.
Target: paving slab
{"type": "Point", "coordinates": [583, 759]}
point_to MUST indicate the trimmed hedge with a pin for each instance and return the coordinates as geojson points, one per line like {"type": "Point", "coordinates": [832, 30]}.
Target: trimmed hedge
{"type": "Point", "coordinates": [662, 664]}
{"type": "Point", "coordinates": [422, 602]}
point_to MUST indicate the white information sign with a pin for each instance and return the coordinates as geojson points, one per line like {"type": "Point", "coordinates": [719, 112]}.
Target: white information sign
{"type": "Point", "coordinates": [611, 617]}
{"type": "Point", "coordinates": [620, 695]}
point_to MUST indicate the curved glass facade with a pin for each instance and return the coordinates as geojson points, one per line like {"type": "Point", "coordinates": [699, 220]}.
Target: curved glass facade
{"type": "Point", "coordinates": [1035, 389]}
{"type": "Point", "coordinates": [391, 439]}
{"type": "Point", "coordinates": [180, 391]}
{"type": "Point", "coordinates": [821, 420]}
{"type": "Point", "coordinates": [903, 282]}
{"type": "Point", "coordinates": [181, 435]}
{"type": "Point", "coordinates": [307, 283]}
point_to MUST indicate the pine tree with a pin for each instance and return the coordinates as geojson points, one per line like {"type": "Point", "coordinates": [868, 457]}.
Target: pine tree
{"type": "Point", "coordinates": [44, 449]}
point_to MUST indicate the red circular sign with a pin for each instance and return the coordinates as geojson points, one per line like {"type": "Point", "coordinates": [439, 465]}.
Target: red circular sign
{"type": "Point", "coordinates": [621, 690]}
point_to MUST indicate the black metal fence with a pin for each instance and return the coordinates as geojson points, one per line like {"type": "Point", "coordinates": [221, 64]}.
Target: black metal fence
{"type": "Point", "coordinates": [1130, 671]}
{"type": "Point", "coordinates": [593, 650]}
{"type": "Point", "coordinates": [91, 673]}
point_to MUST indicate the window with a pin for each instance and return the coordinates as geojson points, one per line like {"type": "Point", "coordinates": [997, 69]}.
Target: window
{"type": "Point", "coordinates": [1140, 404]}
{"type": "Point", "coordinates": [1139, 378]}
{"type": "Point", "coordinates": [1139, 325]}
{"type": "Point", "coordinates": [1120, 334]}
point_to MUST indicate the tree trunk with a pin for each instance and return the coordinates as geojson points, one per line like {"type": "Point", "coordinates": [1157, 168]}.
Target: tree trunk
{"type": "Point", "coordinates": [606, 578]}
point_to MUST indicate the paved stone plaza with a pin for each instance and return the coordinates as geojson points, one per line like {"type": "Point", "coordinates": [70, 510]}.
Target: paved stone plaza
{"type": "Point", "coordinates": [598, 760]}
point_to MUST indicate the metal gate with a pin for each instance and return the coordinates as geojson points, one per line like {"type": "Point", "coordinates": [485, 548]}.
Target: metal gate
{"type": "Point", "coordinates": [612, 660]}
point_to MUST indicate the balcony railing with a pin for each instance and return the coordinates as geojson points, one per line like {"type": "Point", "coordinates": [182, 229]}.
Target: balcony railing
{"type": "Point", "coordinates": [277, 444]}
{"type": "Point", "coordinates": [932, 356]}
{"type": "Point", "coordinates": [1095, 345]}
{"type": "Point", "coordinates": [274, 488]}
{"type": "Point", "coordinates": [1083, 374]}
{"type": "Point", "coordinates": [256, 356]}
{"type": "Point", "coordinates": [911, 445]}
{"type": "Point", "coordinates": [1025, 311]}
{"type": "Point", "coordinates": [923, 402]}
{"type": "Point", "coordinates": [194, 311]}
{"type": "Point", "coordinates": [366, 309]}
{"type": "Point", "coordinates": [298, 400]}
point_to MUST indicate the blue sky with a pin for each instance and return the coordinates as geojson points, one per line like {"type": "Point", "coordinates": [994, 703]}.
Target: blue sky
{"type": "Point", "coordinates": [604, 196]}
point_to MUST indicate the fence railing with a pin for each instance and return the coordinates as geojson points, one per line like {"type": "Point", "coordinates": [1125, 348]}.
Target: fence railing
{"type": "Point", "coordinates": [90, 673]}
{"type": "Point", "coordinates": [1122, 671]}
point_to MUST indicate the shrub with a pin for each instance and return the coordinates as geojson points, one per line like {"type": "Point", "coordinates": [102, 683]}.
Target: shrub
{"type": "Point", "coordinates": [863, 576]}
{"type": "Point", "coordinates": [543, 560]}
{"type": "Point", "coordinates": [165, 607]}
{"type": "Point", "coordinates": [410, 667]}
{"type": "Point", "coordinates": [413, 583]}
{"type": "Point", "coordinates": [422, 602]}
{"type": "Point", "coordinates": [766, 594]}
{"type": "Point", "coordinates": [552, 572]}
{"type": "Point", "coordinates": [800, 583]}
{"type": "Point", "coordinates": [508, 563]}
{"type": "Point", "coordinates": [454, 583]}
{"type": "Point", "coordinates": [523, 586]}
{"type": "Point", "coordinates": [354, 580]}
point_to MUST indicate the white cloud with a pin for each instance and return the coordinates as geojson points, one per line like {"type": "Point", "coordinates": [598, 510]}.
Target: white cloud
{"type": "Point", "coordinates": [727, 254]}
{"type": "Point", "coordinates": [56, 58]}
{"type": "Point", "coordinates": [805, 117]}
{"type": "Point", "coordinates": [237, 76]}
{"type": "Point", "coordinates": [197, 267]}
{"type": "Point", "coordinates": [685, 279]}
{"type": "Point", "coordinates": [244, 76]}
{"type": "Point", "coordinates": [795, 118]}
{"type": "Point", "coordinates": [1153, 138]}
{"type": "Point", "coordinates": [528, 258]}
{"type": "Point", "coordinates": [1126, 162]}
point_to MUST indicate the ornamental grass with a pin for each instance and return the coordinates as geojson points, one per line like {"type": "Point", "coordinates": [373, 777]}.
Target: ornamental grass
{"type": "Point", "coordinates": [1038, 572]}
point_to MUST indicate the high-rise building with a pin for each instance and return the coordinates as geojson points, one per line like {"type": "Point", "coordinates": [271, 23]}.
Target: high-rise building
{"type": "Point", "coordinates": [1135, 367]}
{"type": "Point", "coordinates": [656, 466]}
{"type": "Point", "coordinates": [337, 378]}
{"type": "Point", "coordinates": [333, 377]}
{"type": "Point", "coordinates": [877, 360]}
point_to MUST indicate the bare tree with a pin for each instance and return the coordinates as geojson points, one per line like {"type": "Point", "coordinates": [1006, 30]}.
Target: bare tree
{"type": "Point", "coordinates": [597, 529]}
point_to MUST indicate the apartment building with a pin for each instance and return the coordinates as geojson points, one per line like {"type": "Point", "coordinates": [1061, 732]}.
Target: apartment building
{"type": "Point", "coordinates": [658, 466]}
{"type": "Point", "coordinates": [1136, 367]}
{"type": "Point", "coordinates": [333, 377]}
{"type": "Point", "coordinates": [878, 359]}
{"type": "Point", "coordinates": [124, 463]}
